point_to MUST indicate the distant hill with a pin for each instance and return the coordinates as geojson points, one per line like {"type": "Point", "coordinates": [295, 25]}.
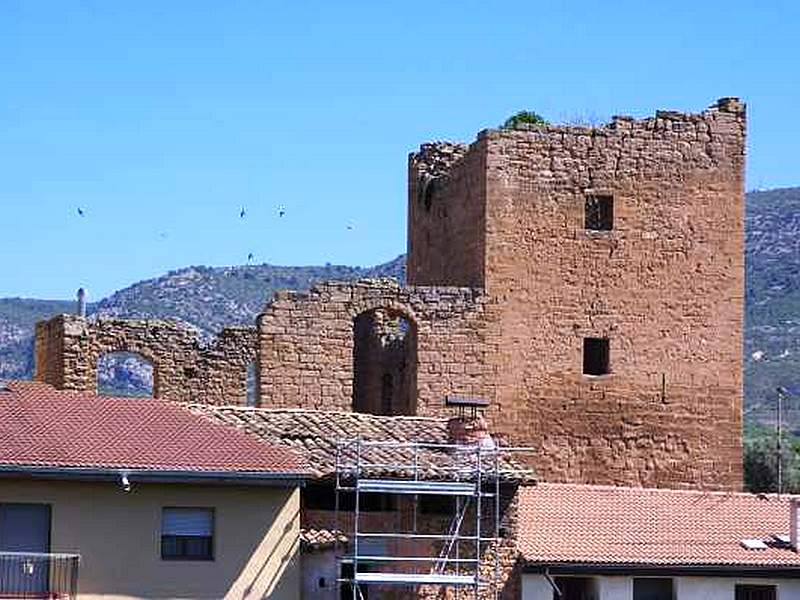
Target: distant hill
{"type": "Point", "coordinates": [211, 298]}
{"type": "Point", "coordinates": [772, 299]}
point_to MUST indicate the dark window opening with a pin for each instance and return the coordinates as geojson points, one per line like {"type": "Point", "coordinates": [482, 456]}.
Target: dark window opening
{"type": "Point", "coordinates": [756, 592]}
{"type": "Point", "coordinates": [387, 393]}
{"type": "Point", "coordinates": [575, 588]}
{"type": "Point", "coordinates": [187, 534]}
{"type": "Point", "coordinates": [252, 391]}
{"type": "Point", "coordinates": [427, 189]}
{"type": "Point", "coordinates": [436, 505]}
{"type": "Point", "coordinates": [125, 374]}
{"type": "Point", "coordinates": [347, 572]}
{"type": "Point", "coordinates": [323, 497]}
{"type": "Point", "coordinates": [24, 527]}
{"type": "Point", "coordinates": [652, 588]}
{"type": "Point", "coordinates": [599, 213]}
{"type": "Point", "coordinates": [596, 359]}
{"type": "Point", "coordinates": [190, 372]}
{"type": "Point", "coordinates": [384, 363]}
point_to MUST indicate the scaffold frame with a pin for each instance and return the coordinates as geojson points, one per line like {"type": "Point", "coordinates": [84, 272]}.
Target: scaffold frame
{"type": "Point", "coordinates": [472, 480]}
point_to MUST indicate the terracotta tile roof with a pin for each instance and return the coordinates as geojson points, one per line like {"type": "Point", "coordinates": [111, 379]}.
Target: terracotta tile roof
{"type": "Point", "coordinates": [48, 428]}
{"type": "Point", "coordinates": [316, 434]}
{"type": "Point", "coordinates": [321, 539]}
{"type": "Point", "coordinates": [562, 523]}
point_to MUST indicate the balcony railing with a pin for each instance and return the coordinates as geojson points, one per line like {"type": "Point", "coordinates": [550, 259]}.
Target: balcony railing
{"type": "Point", "coordinates": [40, 576]}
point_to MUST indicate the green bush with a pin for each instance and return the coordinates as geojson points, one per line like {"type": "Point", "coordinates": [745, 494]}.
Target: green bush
{"type": "Point", "coordinates": [522, 118]}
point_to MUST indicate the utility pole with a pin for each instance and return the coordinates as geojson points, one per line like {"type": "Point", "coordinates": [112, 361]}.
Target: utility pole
{"type": "Point", "coordinates": [779, 448]}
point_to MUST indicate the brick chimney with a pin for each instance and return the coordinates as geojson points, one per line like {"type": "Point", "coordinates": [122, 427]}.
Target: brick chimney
{"type": "Point", "coordinates": [794, 538]}
{"type": "Point", "coordinates": [469, 426]}
{"type": "Point", "coordinates": [469, 430]}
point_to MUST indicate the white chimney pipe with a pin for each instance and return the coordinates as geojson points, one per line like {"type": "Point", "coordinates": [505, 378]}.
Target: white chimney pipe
{"type": "Point", "coordinates": [794, 538]}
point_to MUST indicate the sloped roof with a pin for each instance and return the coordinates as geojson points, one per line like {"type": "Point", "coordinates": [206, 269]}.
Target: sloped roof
{"type": "Point", "coordinates": [312, 539]}
{"type": "Point", "coordinates": [41, 427]}
{"type": "Point", "coordinates": [604, 526]}
{"type": "Point", "coordinates": [318, 435]}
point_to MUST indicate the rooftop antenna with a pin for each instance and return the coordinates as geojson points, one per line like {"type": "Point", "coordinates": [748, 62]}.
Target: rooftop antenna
{"type": "Point", "coordinates": [81, 308]}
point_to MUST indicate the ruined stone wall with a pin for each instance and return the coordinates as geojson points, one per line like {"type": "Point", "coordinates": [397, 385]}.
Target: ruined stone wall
{"type": "Point", "coordinates": [185, 367]}
{"type": "Point", "coordinates": [306, 343]}
{"type": "Point", "coordinates": [446, 215]}
{"type": "Point", "coordinates": [665, 286]}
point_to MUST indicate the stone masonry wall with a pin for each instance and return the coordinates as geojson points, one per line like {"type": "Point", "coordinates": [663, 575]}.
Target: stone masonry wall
{"type": "Point", "coordinates": [446, 215]}
{"type": "Point", "coordinates": [185, 367]}
{"type": "Point", "coordinates": [306, 342]}
{"type": "Point", "coordinates": [665, 286]}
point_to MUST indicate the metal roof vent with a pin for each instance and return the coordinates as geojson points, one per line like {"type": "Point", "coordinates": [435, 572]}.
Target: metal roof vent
{"type": "Point", "coordinates": [464, 404]}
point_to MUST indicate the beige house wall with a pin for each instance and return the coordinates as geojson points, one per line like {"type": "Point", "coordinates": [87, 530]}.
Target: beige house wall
{"type": "Point", "coordinates": [117, 534]}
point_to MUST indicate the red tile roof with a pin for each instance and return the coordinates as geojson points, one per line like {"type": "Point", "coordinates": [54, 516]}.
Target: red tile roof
{"type": "Point", "coordinates": [317, 435]}
{"type": "Point", "coordinates": [598, 525]}
{"type": "Point", "coordinates": [48, 428]}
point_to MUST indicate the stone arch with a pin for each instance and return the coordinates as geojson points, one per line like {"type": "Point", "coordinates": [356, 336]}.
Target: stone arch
{"type": "Point", "coordinates": [124, 372]}
{"type": "Point", "coordinates": [385, 340]}
{"type": "Point", "coordinates": [363, 305]}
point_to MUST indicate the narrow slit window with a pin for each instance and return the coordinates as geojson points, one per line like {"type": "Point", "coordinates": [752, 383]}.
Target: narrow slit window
{"type": "Point", "coordinates": [599, 213]}
{"type": "Point", "coordinates": [596, 356]}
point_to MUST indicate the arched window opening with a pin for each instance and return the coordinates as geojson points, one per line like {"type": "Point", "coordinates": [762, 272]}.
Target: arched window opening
{"type": "Point", "coordinates": [384, 363]}
{"type": "Point", "coordinates": [125, 374]}
{"type": "Point", "coordinates": [252, 392]}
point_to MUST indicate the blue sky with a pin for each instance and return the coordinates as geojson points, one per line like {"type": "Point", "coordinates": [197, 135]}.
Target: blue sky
{"type": "Point", "coordinates": [161, 120]}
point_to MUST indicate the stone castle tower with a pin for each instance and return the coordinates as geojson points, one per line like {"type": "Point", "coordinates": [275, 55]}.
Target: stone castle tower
{"type": "Point", "coordinates": [587, 282]}
{"type": "Point", "coordinates": [613, 260]}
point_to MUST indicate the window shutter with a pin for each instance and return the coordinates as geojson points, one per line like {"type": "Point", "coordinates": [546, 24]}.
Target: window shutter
{"type": "Point", "coordinates": [187, 522]}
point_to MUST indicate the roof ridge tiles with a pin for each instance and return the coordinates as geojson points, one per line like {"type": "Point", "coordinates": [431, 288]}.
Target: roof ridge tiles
{"type": "Point", "coordinates": [657, 490]}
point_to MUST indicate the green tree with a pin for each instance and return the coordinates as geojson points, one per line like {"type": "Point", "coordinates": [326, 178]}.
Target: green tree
{"type": "Point", "coordinates": [761, 461]}
{"type": "Point", "coordinates": [523, 117]}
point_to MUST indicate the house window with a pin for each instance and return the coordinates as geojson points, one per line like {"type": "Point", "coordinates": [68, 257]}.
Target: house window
{"type": "Point", "coordinates": [599, 213]}
{"type": "Point", "coordinates": [596, 356]}
{"type": "Point", "coordinates": [575, 588]}
{"type": "Point", "coordinates": [187, 534]}
{"type": "Point", "coordinates": [756, 592]}
{"type": "Point", "coordinates": [652, 588]}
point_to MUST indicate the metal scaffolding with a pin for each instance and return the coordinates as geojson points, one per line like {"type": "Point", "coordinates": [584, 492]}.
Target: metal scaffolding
{"type": "Point", "coordinates": [470, 474]}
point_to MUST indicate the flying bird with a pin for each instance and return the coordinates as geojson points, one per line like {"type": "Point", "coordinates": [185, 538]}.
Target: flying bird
{"type": "Point", "coordinates": [242, 213]}
{"type": "Point", "coordinates": [249, 257]}
{"type": "Point", "coordinates": [281, 211]}
{"type": "Point", "coordinates": [351, 226]}
{"type": "Point", "coordinates": [80, 211]}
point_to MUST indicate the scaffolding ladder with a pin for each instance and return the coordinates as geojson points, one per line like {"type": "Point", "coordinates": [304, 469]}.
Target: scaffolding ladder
{"type": "Point", "coordinates": [473, 481]}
